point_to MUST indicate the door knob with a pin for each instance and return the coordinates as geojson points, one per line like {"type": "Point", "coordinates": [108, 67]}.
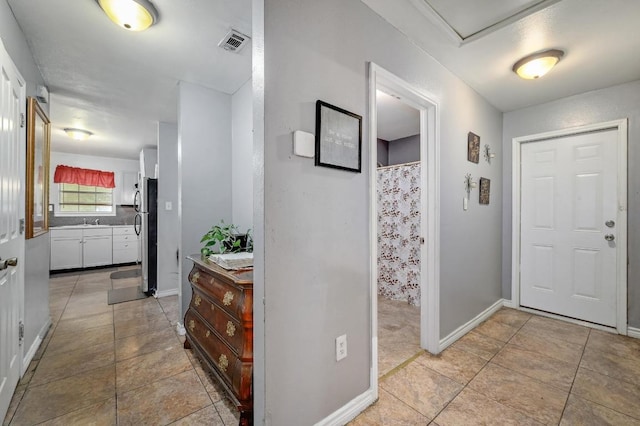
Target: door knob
{"type": "Point", "coordinates": [609, 237]}
{"type": "Point", "coordinates": [610, 223]}
{"type": "Point", "coordinates": [4, 264]}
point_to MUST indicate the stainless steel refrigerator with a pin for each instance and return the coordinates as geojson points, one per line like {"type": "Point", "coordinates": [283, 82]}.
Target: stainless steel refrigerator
{"type": "Point", "coordinates": [146, 226]}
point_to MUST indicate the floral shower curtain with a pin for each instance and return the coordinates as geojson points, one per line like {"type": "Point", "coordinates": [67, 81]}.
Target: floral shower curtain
{"type": "Point", "coordinates": [399, 232]}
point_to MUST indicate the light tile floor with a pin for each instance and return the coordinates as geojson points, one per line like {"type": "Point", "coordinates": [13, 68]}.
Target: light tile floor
{"type": "Point", "coordinates": [122, 364]}
{"type": "Point", "coordinates": [513, 369]}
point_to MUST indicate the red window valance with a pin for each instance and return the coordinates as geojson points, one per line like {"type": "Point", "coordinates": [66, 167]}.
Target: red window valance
{"type": "Point", "coordinates": [88, 177]}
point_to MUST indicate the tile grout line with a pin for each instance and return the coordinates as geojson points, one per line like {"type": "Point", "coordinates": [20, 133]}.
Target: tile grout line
{"type": "Point", "coordinates": [584, 348]}
{"type": "Point", "coordinates": [483, 367]}
{"type": "Point", "coordinates": [587, 399]}
{"type": "Point", "coordinates": [44, 349]}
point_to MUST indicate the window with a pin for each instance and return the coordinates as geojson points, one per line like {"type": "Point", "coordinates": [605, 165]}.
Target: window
{"type": "Point", "coordinates": [75, 198]}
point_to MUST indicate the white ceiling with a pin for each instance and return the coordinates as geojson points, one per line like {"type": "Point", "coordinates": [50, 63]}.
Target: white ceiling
{"type": "Point", "coordinates": [118, 84]}
{"type": "Point", "coordinates": [395, 119]}
{"type": "Point", "coordinates": [601, 40]}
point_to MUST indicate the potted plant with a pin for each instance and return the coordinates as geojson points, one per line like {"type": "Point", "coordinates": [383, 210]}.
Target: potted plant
{"type": "Point", "coordinates": [225, 238]}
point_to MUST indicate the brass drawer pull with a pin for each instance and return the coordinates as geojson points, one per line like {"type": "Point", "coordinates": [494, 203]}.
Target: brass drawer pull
{"type": "Point", "coordinates": [208, 333]}
{"type": "Point", "coordinates": [228, 298]}
{"type": "Point", "coordinates": [223, 362]}
{"type": "Point", "coordinates": [196, 276]}
{"type": "Point", "coordinates": [231, 329]}
{"type": "Point", "coordinates": [197, 300]}
{"type": "Point", "coordinates": [192, 325]}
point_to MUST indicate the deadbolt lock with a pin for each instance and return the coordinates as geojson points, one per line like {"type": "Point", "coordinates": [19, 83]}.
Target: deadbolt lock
{"type": "Point", "coordinates": [610, 223]}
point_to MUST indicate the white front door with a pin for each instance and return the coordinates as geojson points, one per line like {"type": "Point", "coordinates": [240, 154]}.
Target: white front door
{"type": "Point", "coordinates": [12, 178]}
{"type": "Point", "coordinates": [569, 202]}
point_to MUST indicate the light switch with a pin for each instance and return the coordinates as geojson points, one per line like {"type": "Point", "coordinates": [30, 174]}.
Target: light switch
{"type": "Point", "coordinates": [168, 205]}
{"type": "Point", "coordinates": [304, 144]}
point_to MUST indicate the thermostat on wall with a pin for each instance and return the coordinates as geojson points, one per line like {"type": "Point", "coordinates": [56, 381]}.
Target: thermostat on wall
{"type": "Point", "coordinates": [304, 144]}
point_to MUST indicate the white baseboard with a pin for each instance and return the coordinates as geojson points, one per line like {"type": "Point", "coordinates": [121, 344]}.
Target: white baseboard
{"type": "Point", "coordinates": [464, 329]}
{"type": "Point", "coordinates": [507, 303]}
{"type": "Point", "coordinates": [165, 293]}
{"type": "Point", "coordinates": [349, 411]}
{"type": "Point", "coordinates": [633, 332]}
{"type": "Point", "coordinates": [26, 359]}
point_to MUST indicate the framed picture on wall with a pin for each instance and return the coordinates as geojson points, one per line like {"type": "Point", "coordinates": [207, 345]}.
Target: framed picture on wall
{"type": "Point", "coordinates": [485, 190]}
{"type": "Point", "coordinates": [37, 190]}
{"type": "Point", "coordinates": [338, 138]}
{"type": "Point", "coordinates": [473, 147]}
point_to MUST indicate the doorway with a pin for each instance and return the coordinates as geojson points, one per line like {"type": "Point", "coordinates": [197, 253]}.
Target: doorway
{"type": "Point", "coordinates": [425, 109]}
{"type": "Point", "coordinates": [399, 216]}
{"type": "Point", "coordinates": [570, 224]}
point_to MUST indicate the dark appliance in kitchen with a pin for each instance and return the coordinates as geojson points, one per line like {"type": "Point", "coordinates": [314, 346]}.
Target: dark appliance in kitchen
{"type": "Point", "coordinates": [146, 226]}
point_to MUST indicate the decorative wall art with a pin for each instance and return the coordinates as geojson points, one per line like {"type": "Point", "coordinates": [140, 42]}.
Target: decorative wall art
{"type": "Point", "coordinates": [338, 138]}
{"type": "Point", "coordinates": [473, 148]}
{"type": "Point", "coordinates": [37, 193]}
{"type": "Point", "coordinates": [485, 190]}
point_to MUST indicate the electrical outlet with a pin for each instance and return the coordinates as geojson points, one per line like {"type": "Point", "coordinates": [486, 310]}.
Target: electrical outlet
{"type": "Point", "coordinates": [341, 347]}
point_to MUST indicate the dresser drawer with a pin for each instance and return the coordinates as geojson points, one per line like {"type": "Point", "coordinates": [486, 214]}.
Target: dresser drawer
{"type": "Point", "coordinates": [222, 358]}
{"type": "Point", "coordinates": [226, 326]}
{"type": "Point", "coordinates": [230, 298]}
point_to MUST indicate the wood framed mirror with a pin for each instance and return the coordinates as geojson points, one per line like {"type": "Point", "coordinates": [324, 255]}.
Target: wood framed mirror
{"type": "Point", "coordinates": [38, 156]}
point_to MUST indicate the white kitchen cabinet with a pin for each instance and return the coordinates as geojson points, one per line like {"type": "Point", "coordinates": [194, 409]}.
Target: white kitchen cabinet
{"type": "Point", "coordinates": [125, 245]}
{"type": "Point", "coordinates": [97, 245]}
{"type": "Point", "coordinates": [128, 190]}
{"type": "Point", "coordinates": [66, 248]}
{"type": "Point", "coordinates": [81, 247]}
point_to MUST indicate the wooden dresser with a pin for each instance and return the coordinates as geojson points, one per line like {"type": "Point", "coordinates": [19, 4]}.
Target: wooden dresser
{"type": "Point", "coordinates": [219, 324]}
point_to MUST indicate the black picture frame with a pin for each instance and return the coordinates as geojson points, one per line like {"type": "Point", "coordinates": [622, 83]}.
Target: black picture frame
{"type": "Point", "coordinates": [473, 148]}
{"type": "Point", "coordinates": [338, 138]}
{"type": "Point", "coordinates": [485, 190]}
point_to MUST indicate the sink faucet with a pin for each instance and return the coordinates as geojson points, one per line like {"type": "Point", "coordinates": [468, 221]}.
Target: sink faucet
{"type": "Point", "coordinates": [84, 220]}
{"type": "Point", "coordinates": [97, 221]}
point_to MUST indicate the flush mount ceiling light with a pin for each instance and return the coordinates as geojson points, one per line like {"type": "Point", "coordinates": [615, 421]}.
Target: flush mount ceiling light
{"type": "Point", "coordinates": [78, 134]}
{"type": "Point", "coordinates": [132, 15]}
{"type": "Point", "coordinates": [538, 64]}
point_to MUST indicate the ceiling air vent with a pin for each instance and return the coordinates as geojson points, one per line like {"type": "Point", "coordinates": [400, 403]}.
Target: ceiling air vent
{"type": "Point", "coordinates": [234, 41]}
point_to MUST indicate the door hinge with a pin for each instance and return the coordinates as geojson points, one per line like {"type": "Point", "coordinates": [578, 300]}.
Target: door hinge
{"type": "Point", "coordinates": [21, 332]}
{"type": "Point", "coordinates": [21, 226]}
{"type": "Point", "coordinates": [22, 120]}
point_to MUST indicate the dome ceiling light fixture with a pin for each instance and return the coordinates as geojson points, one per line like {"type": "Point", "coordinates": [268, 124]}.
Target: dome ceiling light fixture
{"type": "Point", "coordinates": [132, 15]}
{"type": "Point", "coordinates": [77, 134]}
{"type": "Point", "coordinates": [537, 64]}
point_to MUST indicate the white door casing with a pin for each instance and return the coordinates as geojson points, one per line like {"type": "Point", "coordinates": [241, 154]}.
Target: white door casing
{"type": "Point", "coordinates": [379, 78]}
{"type": "Point", "coordinates": [12, 181]}
{"type": "Point", "coordinates": [567, 186]}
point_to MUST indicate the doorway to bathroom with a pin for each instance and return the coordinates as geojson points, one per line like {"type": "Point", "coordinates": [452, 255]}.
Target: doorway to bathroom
{"type": "Point", "coordinates": [404, 222]}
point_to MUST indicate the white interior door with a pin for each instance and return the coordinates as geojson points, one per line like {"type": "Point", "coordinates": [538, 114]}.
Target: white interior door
{"type": "Point", "coordinates": [12, 177]}
{"type": "Point", "coordinates": [568, 256]}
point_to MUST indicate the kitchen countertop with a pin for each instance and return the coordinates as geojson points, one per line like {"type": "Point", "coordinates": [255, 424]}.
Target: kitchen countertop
{"type": "Point", "coordinates": [86, 226]}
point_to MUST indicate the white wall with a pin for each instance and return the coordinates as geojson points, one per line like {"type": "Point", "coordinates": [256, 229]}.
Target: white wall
{"type": "Point", "coordinates": [168, 225]}
{"type": "Point", "coordinates": [242, 157]}
{"type": "Point", "coordinates": [613, 103]}
{"type": "Point", "coordinates": [315, 226]}
{"type": "Point", "coordinates": [116, 165]}
{"type": "Point", "coordinates": [204, 170]}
